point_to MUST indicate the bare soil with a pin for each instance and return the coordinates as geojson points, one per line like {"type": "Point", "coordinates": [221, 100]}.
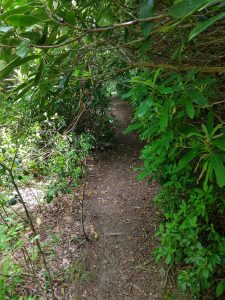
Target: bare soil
{"type": "Point", "coordinates": [121, 221]}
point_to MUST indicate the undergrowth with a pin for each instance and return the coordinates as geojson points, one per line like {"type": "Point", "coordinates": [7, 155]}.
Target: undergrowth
{"type": "Point", "coordinates": [185, 152]}
{"type": "Point", "coordinates": [49, 147]}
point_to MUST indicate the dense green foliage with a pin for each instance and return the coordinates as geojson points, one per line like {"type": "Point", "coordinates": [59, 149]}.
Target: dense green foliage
{"type": "Point", "coordinates": [185, 153]}
{"type": "Point", "coordinates": [59, 61]}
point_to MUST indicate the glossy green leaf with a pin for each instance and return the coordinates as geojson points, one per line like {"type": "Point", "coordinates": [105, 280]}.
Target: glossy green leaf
{"type": "Point", "coordinates": [219, 169]}
{"type": "Point", "coordinates": [168, 259]}
{"type": "Point", "coordinates": [216, 128]}
{"type": "Point", "coordinates": [204, 25]}
{"type": "Point", "coordinates": [40, 13]}
{"type": "Point", "coordinates": [50, 3]}
{"type": "Point", "coordinates": [190, 108]}
{"type": "Point", "coordinates": [14, 64]}
{"type": "Point", "coordinates": [7, 3]}
{"type": "Point", "coordinates": [143, 108]}
{"type": "Point", "coordinates": [198, 98]}
{"type": "Point", "coordinates": [33, 36]}
{"type": "Point", "coordinates": [24, 91]}
{"type": "Point", "coordinates": [219, 142]}
{"type": "Point", "coordinates": [146, 45]}
{"type": "Point", "coordinates": [65, 81]}
{"type": "Point", "coordinates": [39, 72]}
{"type": "Point", "coordinates": [220, 288]}
{"type": "Point", "coordinates": [146, 11]}
{"type": "Point", "coordinates": [23, 85]}
{"type": "Point", "coordinates": [16, 11]}
{"type": "Point", "coordinates": [184, 8]}
{"type": "Point", "coordinates": [23, 48]}
{"type": "Point", "coordinates": [188, 157]}
{"type": "Point", "coordinates": [106, 19]}
{"type": "Point", "coordinates": [164, 118]}
{"type": "Point", "coordinates": [127, 95]}
{"type": "Point", "coordinates": [143, 175]}
{"type": "Point", "coordinates": [22, 20]}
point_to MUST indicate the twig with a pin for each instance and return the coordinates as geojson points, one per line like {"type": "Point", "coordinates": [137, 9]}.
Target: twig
{"type": "Point", "coordinates": [3, 219]}
{"type": "Point", "coordinates": [114, 26]}
{"type": "Point", "coordinates": [83, 198]}
{"type": "Point", "coordinates": [215, 103]}
{"type": "Point", "coordinates": [153, 65]}
{"type": "Point", "coordinates": [167, 274]}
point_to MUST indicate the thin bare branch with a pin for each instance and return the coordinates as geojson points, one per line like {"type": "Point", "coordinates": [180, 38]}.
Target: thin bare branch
{"type": "Point", "coordinates": [116, 25]}
{"type": "Point", "coordinates": [153, 65]}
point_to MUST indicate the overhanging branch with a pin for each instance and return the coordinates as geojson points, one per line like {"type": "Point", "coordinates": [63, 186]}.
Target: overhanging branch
{"type": "Point", "coordinates": [114, 26]}
{"type": "Point", "coordinates": [155, 65]}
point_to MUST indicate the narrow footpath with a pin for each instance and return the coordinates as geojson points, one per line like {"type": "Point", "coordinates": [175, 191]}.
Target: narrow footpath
{"type": "Point", "coordinates": [121, 218]}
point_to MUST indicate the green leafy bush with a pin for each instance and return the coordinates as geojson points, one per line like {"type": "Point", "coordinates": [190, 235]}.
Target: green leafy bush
{"type": "Point", "coordinates": [64, 165]}
{"type": "Point", "coordinates": [10, 276]}
{"type": "Point", "coordinates": [185, 153]}
{"type": "Point", "coordinates": [46, 154]}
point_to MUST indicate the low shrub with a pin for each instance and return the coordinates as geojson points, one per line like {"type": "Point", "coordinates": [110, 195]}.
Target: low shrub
{"type": "Point", "coordinates": [185, 152]}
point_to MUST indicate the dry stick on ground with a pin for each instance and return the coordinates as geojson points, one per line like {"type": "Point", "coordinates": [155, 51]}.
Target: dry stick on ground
{"type": "Point", "coordinates": [28, 260]}
{"type": "Point", "coordinates": [84, 171]}
{"type": "Point", "coordinates": [32, 268]}
{"type": "Point", "coordinates": [3, 208]}
{"type": "Point", "coordinates": [166, 277]}
{"type": "Point", "coordinates": [29, 218]}
{"type": "Point", "coordinates": [3, 219]}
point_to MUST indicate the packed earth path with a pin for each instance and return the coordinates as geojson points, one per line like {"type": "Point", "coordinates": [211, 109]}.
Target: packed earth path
{"type": "Point", "coordinates": [121, 221]}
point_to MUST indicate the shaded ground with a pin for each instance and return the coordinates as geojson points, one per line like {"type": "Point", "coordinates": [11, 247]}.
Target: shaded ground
{"type": "Point", "coordinates": [121, 220]}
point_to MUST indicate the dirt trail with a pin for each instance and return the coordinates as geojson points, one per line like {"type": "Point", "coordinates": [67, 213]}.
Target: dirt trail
{"type": "Point", "coordinates": [121, 215]}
